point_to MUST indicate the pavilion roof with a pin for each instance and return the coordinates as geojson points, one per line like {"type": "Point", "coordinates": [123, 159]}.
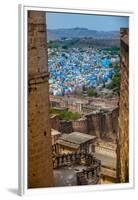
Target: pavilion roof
{"type": "Point", "coordinates": [77, 137]}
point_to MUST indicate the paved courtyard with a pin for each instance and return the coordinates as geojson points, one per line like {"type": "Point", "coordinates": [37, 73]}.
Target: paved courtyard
{"type": "Point", "coordinates": [106, 160]}
{"type": "Point", "coordinates": [66, 176]}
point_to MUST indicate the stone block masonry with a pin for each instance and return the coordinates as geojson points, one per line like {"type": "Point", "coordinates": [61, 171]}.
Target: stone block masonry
{"type": "Point", "coordinates": [80, 125]}
{"type": "Point", "coordinates": [103, 124]}
{"type": "Point", "coordinates": [123, 133]}
{"type": "Point", "coordinates": [65, 126]}
{"type": "Point", "coordinates": [40, 167]}
{"type": "Point", "coordinates": [55, 122]}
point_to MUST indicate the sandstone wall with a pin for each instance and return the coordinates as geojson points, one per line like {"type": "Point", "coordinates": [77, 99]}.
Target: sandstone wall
{"type": "Point", "coordinates": [94, 124]}
{"type": "Point", "coordinates": [106, 148]}
{"type": "Point", "coordinates": [55, 122]}
{"type": "Point", "coordinates": [103, 124]}
{"type": "Point", "coordinates": [115, 115]}
{"type": "Point", "coordinates": [80, 125]}
{"type": "Point", "coordinates": [40, 168]}
{"type": "Point", "coordinates": [108, 124]}
{"type": "Point", "coordinates": [65, 126]}
{"type": "Point", "coordinates": [123, 135]}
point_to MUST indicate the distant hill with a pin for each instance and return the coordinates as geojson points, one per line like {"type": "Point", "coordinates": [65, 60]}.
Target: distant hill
{"type": "Point", "coordinates": [58, 34]}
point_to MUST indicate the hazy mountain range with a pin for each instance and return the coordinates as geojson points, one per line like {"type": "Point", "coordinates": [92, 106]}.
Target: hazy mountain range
{"type": "Point", "coordinates": [58, 34]}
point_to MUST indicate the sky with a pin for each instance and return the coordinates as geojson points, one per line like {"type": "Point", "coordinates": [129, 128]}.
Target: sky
{"type": "Point", "coordinates": [92, 22]}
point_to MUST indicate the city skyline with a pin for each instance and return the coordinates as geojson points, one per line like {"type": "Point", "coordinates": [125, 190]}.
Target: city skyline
{"type": "Point", "coordinates": [89, 21]}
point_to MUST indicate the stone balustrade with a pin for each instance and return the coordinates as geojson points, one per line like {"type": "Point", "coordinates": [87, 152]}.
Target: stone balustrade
{"type": "Point", "coordinates": [90, 173]}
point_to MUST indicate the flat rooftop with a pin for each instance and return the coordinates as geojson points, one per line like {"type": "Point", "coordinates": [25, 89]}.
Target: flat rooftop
{"type": "Point", "coordinates": [66, 176]}
{"type": "Point", "coordinates": [77, 137]}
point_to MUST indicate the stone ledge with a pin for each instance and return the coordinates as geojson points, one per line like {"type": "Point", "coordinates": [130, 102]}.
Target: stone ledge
{"type": "Point", "coordinates": [38, 78]}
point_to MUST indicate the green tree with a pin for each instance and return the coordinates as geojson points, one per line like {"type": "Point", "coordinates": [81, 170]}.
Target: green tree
{"type": "Point", "coordinates": [91, 92]}
{"type": "Point", "coordinates": [115, 84]}
{"type": "Point", "coordinates": [65, 114]}
{"type": "Point", "coordinates": [65, 47]}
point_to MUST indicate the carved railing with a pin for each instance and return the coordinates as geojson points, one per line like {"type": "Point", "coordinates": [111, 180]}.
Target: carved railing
{"type": "Point", "coordinates": [89, 175]}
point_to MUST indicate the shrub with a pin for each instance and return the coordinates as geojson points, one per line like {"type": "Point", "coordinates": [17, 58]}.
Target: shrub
{"type": "Point", "coordinates": [65, 115]}
{"type": "Point", "coordinates": [91, 92]}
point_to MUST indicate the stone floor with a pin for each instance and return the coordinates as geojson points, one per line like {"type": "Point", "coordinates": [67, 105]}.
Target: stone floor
{"type": "Point", "coordinates": [106, 160]}
{"type": "Point", "coordinates": [66, 176]}
{"type": "Point", "coordinates": [108, 168]}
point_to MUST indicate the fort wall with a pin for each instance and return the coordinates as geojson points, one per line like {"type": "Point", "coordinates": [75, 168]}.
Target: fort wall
{"type": "Point", "coordinates": [40, 168]}
{"type": "Point", "coordinates": [123, 133]}
{"type": "Point", "coordinates": [80, 125]}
